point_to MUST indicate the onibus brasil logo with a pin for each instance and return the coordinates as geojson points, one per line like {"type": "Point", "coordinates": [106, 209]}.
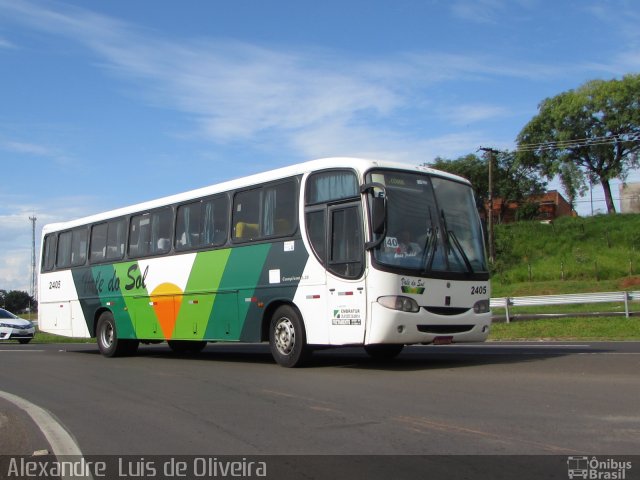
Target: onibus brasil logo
{"type": "Point", "coordinates": [595, 469]}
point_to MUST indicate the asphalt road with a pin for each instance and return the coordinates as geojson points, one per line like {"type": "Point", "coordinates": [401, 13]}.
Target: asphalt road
{"type": "Point", "coordinates": [490, 399]}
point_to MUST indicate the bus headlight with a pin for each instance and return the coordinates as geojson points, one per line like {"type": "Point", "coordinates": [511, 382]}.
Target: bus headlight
{"type": "Point", "coordinates": [481, 306]}
{"type": "Point", "coordinates": [404, 304]}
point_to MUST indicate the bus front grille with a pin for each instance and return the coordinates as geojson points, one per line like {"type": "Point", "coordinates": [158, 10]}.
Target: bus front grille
{"type": "Point", "coordinates": [444, 329]}
{"type": "Point", "coordinates": [446, 310]}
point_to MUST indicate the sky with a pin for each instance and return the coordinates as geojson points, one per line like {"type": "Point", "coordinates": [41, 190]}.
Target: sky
{"type": "Point", "coordinates": [109, 103]}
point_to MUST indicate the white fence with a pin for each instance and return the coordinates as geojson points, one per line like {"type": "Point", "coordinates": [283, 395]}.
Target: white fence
{"type": "Point", "coordinates": [571, 298]}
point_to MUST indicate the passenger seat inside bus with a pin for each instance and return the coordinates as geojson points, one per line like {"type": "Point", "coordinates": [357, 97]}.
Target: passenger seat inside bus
{"type": "Point", "coordinates": [246, 231]}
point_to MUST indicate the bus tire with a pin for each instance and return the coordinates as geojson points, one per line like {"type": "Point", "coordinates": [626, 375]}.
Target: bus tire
{"type": "Point", "coordinates": [182, 347]}
{"type": "Point", "coordinates": [383, 351]}
{"type": "Point", "coordinates": [107, 337]}
{"type": "Point", "coordinates": [287, 338]}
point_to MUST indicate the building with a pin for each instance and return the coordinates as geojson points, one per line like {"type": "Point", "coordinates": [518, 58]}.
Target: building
{"type": "Point", "coordinates": [630, 198]}
{"type": "Point", "coordinates": [551, 205]}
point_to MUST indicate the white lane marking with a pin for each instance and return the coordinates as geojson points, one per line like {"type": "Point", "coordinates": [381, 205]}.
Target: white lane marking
{"type": "Point", "coordinates": [608, 353]}
{"type": "Point", "coordinates": [60, 440]}
{"type": "Point", "coordinates": [16, 350]}
{"type": "Point", "coordinates": [524, 345]}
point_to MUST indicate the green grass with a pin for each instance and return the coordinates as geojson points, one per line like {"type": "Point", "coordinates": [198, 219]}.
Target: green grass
{"type": "Point", "coordinates": [553, 287]}
{"type": "Point", "coordinates": [588, 250]}
{"type": "Point", "coordinates": [43, 337]}
{"type": "Point", "coordinates": [578, 328]}
{"type": "Point", "coordinates": [571, 255]}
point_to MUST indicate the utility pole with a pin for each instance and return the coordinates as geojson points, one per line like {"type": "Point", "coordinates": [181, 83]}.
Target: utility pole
{"type": "Point", "coordinates": [33, 256]}
{"type": "Point", "coordinates": [490, 153]}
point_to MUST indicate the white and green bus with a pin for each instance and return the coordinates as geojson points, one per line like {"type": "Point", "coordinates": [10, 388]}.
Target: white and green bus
{"type": "Point", "coordinates": [332, 252]}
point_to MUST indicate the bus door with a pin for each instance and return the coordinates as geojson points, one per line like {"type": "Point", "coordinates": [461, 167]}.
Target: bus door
{"type": "Point", "coordinates": [346, 293]}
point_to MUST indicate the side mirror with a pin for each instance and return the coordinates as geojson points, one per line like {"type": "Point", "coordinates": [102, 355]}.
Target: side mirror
{"type": "Point", "coordinates": [377, 213]}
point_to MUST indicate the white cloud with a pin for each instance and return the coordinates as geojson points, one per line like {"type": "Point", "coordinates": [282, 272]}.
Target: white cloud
{"type": "Point", "coordinates": [621, 15]}
{"type": "Point", "coordinates": [473, 113]}
{"type": "Point", "coordinates": [4, 43]}
{"type": "Point", "coordinates": [477, 11]}
{"type": "Point", "coordinates": [28, 148]}
{"type": "Point", "coordinates": [15, 260]}
{"type": "Point", "coordinates": [236, 91]}
{"type": "Point", "coordinates": [36, 151]}
{"type": "Point", "coordinates": [16, 232]}
{"type": "Point", "coordinates": [15, 268]}
{"type": "Point", "coordinates": [334, 139]}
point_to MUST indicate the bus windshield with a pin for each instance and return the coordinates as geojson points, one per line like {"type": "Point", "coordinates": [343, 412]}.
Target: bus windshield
{"type": "Point", "coordinates": [432, 225]}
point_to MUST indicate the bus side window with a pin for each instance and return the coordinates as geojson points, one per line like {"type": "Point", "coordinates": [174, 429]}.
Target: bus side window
{"type": "Point", "coordinates": [316, 229]}
{"type": "Point", "coordinates": [49, 254]}
{"type": "Point", "coordinates": [98, 245]}
{"type": "Point", "coordinates": [334, 223]}
{"type": "Point", "coordinates": [161, 223]}
{"type": "Point", "coordinates": [246, 215]}
{"type": "Point", "coordinates": [79, 246]}
{"type": "Point", "coordinates": [115, 239]}
{"type": "Point", "coordinates": [278, 209]}
{"type": "Point", "coordinates": [346, 249]}
{"type": "Point", "coordinates": [188, 224]}
{"type": "Point", "coordinates": [150, 233]}
{"type": "Point", "coordinates": [63, 257]}
{"type": "Point", "coordinates": [216, 213]}
{"type": "Point", "coordinates": [138, 227]}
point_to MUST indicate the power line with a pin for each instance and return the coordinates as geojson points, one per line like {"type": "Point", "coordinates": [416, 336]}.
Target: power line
{"type": "Point", "coordinates": [580, 142]}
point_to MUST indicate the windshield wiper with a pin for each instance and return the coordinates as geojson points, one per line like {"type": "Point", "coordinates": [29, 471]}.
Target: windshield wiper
{"type": "Point", "coordinates": [429, 250]}
{"type": "Point", "coordinates": [465, 258]}
{"type": "Point", "coordinates": [451, 240]}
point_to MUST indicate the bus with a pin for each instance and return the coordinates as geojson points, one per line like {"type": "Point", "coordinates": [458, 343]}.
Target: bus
{"type": "Point", "coordinates": [326, 253]}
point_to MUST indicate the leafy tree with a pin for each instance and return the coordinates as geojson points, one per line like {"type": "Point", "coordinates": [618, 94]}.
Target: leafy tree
{"type": "Point", "coordinates": [17, 301]}
{"type": "Point", "coordinates": [513, 181]}
{"type": "Point", "coordinates": [528, 211]}
{"type": "Point", "coordinates": [591, 133]}
{"type": "Point", "coordinates": [471, 167]}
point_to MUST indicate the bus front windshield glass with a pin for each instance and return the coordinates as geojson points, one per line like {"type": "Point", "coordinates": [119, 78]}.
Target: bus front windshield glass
{"type": "Point", "coordinates": [432, 225]}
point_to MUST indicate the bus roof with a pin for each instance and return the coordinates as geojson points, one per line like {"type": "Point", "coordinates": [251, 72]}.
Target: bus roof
{"type": "Point", "coordinates": [359, 164]}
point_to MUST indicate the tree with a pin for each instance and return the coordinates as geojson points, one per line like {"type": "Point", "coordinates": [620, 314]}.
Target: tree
{"type": "Point", "coordinates": [471, 167]}
{"type": "Point", "coordinates": [513, 181]}
{"type": "Point", "coordinates": [588, 134]}
{"type": "Point", "coordinates": [17, 301]}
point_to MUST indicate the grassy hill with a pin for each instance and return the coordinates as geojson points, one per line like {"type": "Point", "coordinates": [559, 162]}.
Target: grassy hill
{"type": "Point", "coordinates": [599, 253]}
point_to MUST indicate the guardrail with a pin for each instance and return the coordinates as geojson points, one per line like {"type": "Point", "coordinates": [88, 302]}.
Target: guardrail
{"type": "Point", "coordinates": [570, 298]}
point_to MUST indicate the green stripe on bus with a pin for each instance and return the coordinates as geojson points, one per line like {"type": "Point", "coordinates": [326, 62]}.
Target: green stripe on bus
{"type": "Point", "coordinates": [218, 302]}
{"type": "Point", "coordinates": [238, 283]}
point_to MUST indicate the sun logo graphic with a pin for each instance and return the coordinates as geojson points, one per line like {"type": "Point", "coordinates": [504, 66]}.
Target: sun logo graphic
{"type": "Point", "coordinates": [166, 300]}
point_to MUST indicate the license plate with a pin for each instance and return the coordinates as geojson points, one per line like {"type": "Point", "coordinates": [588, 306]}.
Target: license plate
{"type": "Point", "coordinates": [443, 340]}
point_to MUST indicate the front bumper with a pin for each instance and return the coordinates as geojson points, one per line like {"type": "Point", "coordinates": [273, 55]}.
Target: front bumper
{"type": "Point", "coordinates": [8, 333]}
{"type": "Point", "coordinates": [393, 326]}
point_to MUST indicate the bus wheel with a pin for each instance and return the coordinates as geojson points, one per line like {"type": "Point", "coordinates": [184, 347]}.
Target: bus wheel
{"type": "Point", "coordinates": [383, 351]}
{"type": "Point", "coordinates": [186, 346]}
{"type": "Point", "coordinates": [108, 342]}
{"type": "Point", "coordinates": [287, 338]}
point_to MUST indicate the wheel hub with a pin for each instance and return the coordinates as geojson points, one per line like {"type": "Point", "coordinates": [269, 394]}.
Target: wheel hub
{"type": "Point", "coordinates": [285, 336]}
{"type": "Point", "coordinates": [107, 335]}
